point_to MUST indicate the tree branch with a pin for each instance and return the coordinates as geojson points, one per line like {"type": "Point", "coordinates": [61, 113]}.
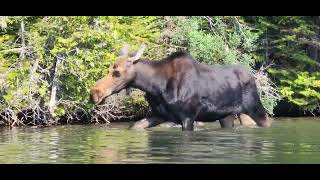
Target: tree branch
{"type": "Point", "coordinates": [19, 50]}
{"type": "Point", "coordinates": [23, 41]}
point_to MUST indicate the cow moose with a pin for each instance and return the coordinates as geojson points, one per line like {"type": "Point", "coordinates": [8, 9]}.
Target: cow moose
{"type": "Point", "coordinates": [182, 90]}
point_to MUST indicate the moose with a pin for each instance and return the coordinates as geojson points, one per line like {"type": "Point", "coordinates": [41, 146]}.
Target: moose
{"type": "Point", "coordinates": [182, 90]}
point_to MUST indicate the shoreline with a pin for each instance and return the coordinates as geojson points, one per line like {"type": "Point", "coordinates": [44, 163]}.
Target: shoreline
{"type": "Point", "coordinates": [62, 121]}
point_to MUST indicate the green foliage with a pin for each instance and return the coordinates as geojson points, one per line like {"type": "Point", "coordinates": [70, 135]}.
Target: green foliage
{"type": "Point", "coordinates": [86, 46]}
{"type": "Point", "coordinates": [213, 40]}
{"type": "Point", "coordinates": [302, 89]}
{"type": "Point", "coordinates": [292, 44]}
{"type": "Point", "coordinates": [134, 105]}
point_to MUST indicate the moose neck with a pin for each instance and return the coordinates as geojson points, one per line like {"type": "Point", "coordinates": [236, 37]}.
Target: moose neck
{"type": "Point", "coordinates": [148, 78]}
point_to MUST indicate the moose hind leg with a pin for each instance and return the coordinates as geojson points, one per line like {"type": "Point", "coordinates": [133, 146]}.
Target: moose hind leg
{"type": "Point", "coordinates": [227, 122]}
{"type": "Point", "coordinates": [246, 120]}
{"type": "Point", "coordinates": [260, 116]}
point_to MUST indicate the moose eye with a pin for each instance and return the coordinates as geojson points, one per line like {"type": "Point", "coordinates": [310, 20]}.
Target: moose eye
{"type": "Point", "coordinates": [116, 74]}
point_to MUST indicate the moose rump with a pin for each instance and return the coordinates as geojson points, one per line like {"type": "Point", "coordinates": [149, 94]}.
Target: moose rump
{"type": "Point", "coordinates": [182, 90]}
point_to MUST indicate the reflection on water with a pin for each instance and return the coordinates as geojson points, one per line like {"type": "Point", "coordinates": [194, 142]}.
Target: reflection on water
{"type": "Point", "coordinates": [287, 141]}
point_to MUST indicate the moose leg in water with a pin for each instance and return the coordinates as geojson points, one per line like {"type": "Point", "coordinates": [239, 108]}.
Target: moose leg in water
{"type": "Point", "coordinates": [147, 123]}
{"type": "Point", "coordinates": [227, 122]}
{"type": "Point", "coordinates": [243, 119]}
{"type": "Point", "coordinates": [187, 123]}
{"type": "Point", "coordinates": [155, 121]}
{"type": "Point", "coordinates": [187, 118]}
{"type": "Point", "coordinates": [159, 114]}
{"type": "Point", "coordinates": [246, 120]}
{"type": "Point", "coordinates": [197, 124]}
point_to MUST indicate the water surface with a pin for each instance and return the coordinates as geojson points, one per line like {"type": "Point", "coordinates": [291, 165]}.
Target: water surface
{"type": "Point", "coordinates": [289, 140]}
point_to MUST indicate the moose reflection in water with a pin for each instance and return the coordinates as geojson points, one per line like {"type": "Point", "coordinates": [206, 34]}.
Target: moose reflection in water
{"type": "Point", "coordinates": [182, 90]}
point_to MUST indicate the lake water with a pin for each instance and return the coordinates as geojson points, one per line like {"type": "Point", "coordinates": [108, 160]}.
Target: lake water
{"type": "Point", "coordinates": [289, 140]}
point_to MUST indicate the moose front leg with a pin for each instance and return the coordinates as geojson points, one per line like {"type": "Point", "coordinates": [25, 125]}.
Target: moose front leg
{"type": "Point", "coordinates": [147, 123]}
{"type": "Point", "coordinates": [187, 122]}
{"type": "Point", "coordinates": [187, 118]}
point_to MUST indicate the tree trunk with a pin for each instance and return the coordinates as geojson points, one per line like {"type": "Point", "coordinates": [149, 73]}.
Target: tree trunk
{"type": "Point", "coordinates": [32, 82]}
{"type": "Point", "coordinates": [23, 41]}
{"type": "Point", "coordinates": [52, 102]}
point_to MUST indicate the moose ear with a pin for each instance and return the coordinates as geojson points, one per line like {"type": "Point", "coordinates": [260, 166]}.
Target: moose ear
{"type": "Point", "coordinates": [138, 54]}
{"type": "Point", "coordinates": [124, 50]}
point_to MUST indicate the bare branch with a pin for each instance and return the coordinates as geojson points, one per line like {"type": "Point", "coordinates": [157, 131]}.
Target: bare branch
{"type": "Point", "coordinates": [23, 41]}
{"type": "Point", "coordinates": [19, 50]}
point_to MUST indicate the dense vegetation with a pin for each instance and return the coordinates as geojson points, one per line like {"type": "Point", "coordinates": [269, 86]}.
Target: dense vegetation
{"type": "Point", "coordinates": [292, 44]}
{"type": "Point", "coordinates": [48, 64]}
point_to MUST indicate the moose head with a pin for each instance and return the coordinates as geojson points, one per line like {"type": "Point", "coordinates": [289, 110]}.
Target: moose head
{"type": "Point", "coordinates": [118, 77]}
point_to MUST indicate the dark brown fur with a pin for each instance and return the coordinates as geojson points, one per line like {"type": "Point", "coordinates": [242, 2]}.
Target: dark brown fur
{"type": "Point", "coordinates": [182, 90]}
